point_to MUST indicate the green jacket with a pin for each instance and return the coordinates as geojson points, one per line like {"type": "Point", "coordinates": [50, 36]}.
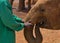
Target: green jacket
{"type": "Point", "coordinates": [9, 23]}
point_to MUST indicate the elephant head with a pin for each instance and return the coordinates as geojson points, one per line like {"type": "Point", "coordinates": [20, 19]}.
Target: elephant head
{"type": "Point", "coordinates": [45, 13]}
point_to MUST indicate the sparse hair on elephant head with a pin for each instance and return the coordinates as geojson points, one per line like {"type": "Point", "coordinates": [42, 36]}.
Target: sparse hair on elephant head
{"type": "Point", "coordinates": [47, 11]}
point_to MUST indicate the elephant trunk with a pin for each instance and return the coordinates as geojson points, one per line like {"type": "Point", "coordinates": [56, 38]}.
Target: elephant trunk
{"type": "Point", "coordinates": [28, 33]}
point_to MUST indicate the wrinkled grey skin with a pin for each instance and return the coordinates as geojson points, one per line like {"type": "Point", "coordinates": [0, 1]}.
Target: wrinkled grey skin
{"type": "Point", "coordinates": [46, 14]}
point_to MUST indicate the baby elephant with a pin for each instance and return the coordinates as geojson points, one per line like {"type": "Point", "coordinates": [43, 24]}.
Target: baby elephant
{"type": "Point", "coordinates": [44, 14]}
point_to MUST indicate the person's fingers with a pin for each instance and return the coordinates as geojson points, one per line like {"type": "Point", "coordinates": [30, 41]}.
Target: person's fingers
{"type": "Point", "coordinates": [27, 23]}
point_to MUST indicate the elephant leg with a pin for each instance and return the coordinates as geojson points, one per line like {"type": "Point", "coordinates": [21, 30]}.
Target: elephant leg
{"type": "Point", "coordinates": [11, 1]}
{"type": "Point", "coordinates": [33, 1]}
{"type": "Point", "coordinates": [29, 4]}
{"type": "Point", "coordinates": [28, 34]}
{"type": "Point", "coordinates": [21, 5]}
{"type": "Point", "coordinates": [38, 34]}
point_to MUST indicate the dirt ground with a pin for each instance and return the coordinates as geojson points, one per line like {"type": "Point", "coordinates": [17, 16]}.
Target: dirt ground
{"type": "Point", "coordinates": [49, 36]}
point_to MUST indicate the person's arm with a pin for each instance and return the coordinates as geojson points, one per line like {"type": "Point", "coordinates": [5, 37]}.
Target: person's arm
{"type": "Point", "coordinates": [18, 19]}
{"type": "Point", "coordinates": [8, 19]}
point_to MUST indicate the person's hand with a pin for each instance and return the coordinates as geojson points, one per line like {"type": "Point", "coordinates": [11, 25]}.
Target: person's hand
{"type": "Point", "coordinates": [22, 21]}
{"type": "Point", "coordinates": [28, 25]}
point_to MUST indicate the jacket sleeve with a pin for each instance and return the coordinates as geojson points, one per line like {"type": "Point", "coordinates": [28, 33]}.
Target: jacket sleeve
{"type": "Point", "coordinates": [8, 19]}
{"type": "Point", "coordinates": [18, 19]}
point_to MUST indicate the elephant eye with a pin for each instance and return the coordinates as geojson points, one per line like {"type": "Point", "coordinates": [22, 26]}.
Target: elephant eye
{"type": "Point", "coordinates": [42, 9]}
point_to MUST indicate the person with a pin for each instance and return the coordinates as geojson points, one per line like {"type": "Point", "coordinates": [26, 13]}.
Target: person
{"type": "Point", "coordinates": [9, 23]}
